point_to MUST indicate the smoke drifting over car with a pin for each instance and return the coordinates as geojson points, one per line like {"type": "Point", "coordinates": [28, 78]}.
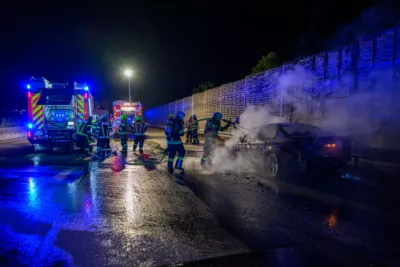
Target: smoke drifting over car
{"type": "Point", "coordinates": [366, 114]}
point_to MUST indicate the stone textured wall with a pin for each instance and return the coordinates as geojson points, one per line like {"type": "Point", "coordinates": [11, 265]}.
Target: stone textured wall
{"type": "Point", "coordinates": [339, 73]}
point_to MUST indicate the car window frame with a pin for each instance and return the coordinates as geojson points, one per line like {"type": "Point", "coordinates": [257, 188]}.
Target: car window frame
{"type": "Point", "coordinates": [276, 129]}
{"type": "Point", "coordinates": [292, 125]}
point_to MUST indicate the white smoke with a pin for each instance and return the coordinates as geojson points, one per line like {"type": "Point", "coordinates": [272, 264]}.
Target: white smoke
{"type": "Point", "coordinates": [298, 77]}
{"type": "Point", "coordinates": [252, 122]}
{"type": "Point", "coordinates": [358, 116]}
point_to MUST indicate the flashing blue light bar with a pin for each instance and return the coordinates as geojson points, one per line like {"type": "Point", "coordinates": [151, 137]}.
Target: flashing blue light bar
{"type": "Point", "coordinates": [86, 88]}
{"type": "Point", "coordinates": [30, 125]}
{"type": "Point", "coordinates": [28, 86]}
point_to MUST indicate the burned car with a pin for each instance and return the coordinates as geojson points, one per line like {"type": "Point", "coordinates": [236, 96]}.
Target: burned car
{"type": "Point", "coordinates": [294, 147]}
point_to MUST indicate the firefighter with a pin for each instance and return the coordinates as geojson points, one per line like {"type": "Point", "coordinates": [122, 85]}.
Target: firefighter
{"type": "Point", "coordinates": [139, 128]}
{"type": "Point", "coordinates": [173, 131]}
{"type": "Point", "coordinates": [84, 137]}
{"type": "Point", "coordinates": [195, 127]}
{"type": "Point", "coordinates": [103, 141]}
{"type": "Point", "coordinates": [123, 132]}
{"type": "Point", "coordinates": [189, 131]}
{"type": "Point", "coordinates": [213, 126]}
{"type": "Point", "coordinates": [170, 122]}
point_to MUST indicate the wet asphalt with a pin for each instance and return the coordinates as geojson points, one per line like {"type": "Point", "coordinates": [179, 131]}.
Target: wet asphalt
{"type": "Point", "coordinates": [56, 210]}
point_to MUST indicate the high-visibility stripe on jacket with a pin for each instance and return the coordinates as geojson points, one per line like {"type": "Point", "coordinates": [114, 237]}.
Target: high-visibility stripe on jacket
{"type": "Point", "coordinates": [173, 131]}
{"type": "Point", "coordinates": [212, 128]}
{"type": "Point", "coordinates": [84, 128]}
{"type": "Point", "coordinates": [103, 130]}
{"type": "Point", "coordinates": [195, 125]}
{"type": "Point", "coordinates": [123, 128]}
{"type": "Point", "coordinates": [139, 128]}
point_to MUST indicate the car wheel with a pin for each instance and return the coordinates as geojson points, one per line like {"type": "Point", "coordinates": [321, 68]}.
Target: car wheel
{"type": "Point", "coordinates": [272, 165]}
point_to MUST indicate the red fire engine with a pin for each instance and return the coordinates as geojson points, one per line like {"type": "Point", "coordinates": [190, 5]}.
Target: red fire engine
{"type": "Point", "coordinates": [55, 110]}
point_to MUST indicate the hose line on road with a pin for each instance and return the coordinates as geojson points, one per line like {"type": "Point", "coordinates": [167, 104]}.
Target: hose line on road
{"type": "Point", "coordinates": [146, 162]}
{"type": "Point", "coordinates": [149, 162]}
{"type": "Point", "coordinates": [158, 145]}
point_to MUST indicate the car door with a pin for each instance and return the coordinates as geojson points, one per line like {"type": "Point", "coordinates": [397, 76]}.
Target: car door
{"type": "Point", "coordinates": [269, 133]}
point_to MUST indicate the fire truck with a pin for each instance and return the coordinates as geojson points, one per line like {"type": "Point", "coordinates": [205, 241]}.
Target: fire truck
{"type": "Point", "coordinates": [130, 110]}
{"type": "Point", "coordinates": [55, 111]}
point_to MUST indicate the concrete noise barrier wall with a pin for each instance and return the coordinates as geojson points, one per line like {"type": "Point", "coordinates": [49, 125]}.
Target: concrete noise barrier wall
{"type": "Point", "coordinates": [349, 85]}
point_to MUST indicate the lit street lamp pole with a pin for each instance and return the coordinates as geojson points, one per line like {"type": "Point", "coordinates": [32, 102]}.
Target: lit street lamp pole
{"type": "Point", "coordinates": [128, 73]}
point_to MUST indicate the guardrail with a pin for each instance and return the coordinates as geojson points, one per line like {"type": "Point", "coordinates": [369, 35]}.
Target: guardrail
{"type": "Point", "coordinates": [12, 133]}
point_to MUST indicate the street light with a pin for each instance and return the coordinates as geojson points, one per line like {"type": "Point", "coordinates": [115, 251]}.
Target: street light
{"type": "Point", "coordinates": [128, 73]}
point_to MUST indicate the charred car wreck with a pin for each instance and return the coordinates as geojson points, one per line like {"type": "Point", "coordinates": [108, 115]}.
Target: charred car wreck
{"type": "Point", "coordinates": [295, 148]}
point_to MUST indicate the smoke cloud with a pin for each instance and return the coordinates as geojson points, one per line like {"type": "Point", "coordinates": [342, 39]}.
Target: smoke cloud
{"type": "Point", "coordinates": [252, 123]}
{"type": "Point", "coordinates": [367, 116]}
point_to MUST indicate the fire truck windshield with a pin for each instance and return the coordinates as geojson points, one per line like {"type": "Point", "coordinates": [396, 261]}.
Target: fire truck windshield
{"type": "Point", "coordinates": [59, 119]}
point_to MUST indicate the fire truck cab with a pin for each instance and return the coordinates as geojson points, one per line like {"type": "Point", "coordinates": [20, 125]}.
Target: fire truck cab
{"type": "Point", "coordinates": [55, 111]}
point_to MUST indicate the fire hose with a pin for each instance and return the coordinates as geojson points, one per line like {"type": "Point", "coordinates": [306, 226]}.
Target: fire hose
{"type": "Point", "coordinates": [150, 162]}
{"type": "Point", "coordinates": [164, 153]}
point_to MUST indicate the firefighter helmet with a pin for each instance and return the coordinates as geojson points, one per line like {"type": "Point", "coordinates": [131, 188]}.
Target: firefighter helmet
{"type": "Point", "coordinates": [194, 117]}
{"type": "Point", "coordinates": [171, 116]}
{"type": "Point", "coordinates": [217, 115]}
{"type": "Point", "coordinates": [123, 117]}
{"type": "Point", "coordinates": [103, 118]}
{"type": "Point", "coordinates": [180, 114]}
{"type": "Point", "coordinates": [138, 118]}
{"type": "Point", "coordinates": [90, 119]}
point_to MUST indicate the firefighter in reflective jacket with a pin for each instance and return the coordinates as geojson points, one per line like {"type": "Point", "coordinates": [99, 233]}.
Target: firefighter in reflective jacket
{"type": "Point", "coordinates": [139, 128]}
{"type": "Point", "coordinates": [103, 140]}
{"type": "Point", "coordinates": [195, 127]}
{"type": "Point", "coordinates": [173, 131]}
{"type": "Point", "coordinates": [95, 127]}
{"type": "Point", "coordinates": [170, 122]}
{"type": "Point", "coordinates": [123, 133]}
{"type": "Point", "coordinates": [189, 130]}
{"type": "Point", "coordinates": [84, 137]}
{"type": "Point", "coordinates": [213, 126]}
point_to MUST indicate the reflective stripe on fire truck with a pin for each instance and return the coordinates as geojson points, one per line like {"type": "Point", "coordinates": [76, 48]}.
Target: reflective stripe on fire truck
{"type": "Point", "coordinates": [80, 112]}
{"type": "Point", "coordinates": [37, 113]}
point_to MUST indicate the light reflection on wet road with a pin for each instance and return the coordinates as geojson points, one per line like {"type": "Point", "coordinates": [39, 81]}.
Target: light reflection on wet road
{"type": "Point", "coordinates": [125, 215]}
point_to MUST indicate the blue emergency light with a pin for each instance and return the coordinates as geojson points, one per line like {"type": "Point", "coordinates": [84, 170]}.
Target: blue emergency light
{"type": "Point", "coordinates": [86, 88]}
{"type": "Point", "coordinates": [30, 125]}
{"type": "Point", "coordinates": [28, 86]}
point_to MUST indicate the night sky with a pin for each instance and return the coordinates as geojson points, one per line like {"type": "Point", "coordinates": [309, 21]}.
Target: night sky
{"type": "Point", "coordinates": [171, 45]}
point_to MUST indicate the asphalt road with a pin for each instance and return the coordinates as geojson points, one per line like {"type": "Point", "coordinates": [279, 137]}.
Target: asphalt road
{"type": "Point", "coordinates": [56, 210]}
